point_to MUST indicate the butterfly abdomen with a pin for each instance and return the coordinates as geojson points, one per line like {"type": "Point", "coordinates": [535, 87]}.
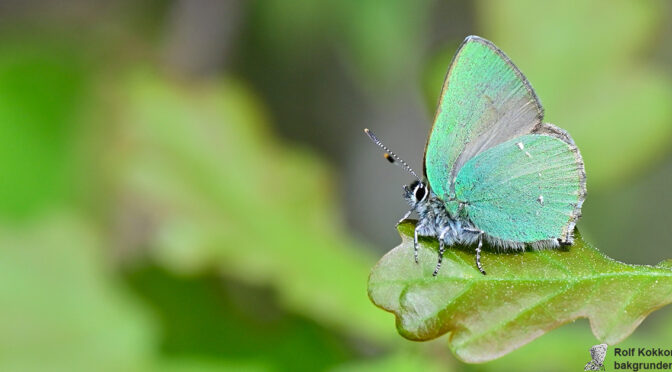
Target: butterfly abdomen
{"type": "Point", "coordinates": [436, 218]}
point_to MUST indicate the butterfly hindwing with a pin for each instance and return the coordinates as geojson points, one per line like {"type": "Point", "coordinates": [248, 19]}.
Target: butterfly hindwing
{"type": "Point", "coordinates": [525, 190]}
{"type": "Point", "coordinates": [485, 101]}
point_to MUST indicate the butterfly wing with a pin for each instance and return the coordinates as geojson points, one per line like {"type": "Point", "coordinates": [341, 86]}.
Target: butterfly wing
{"type": "Point", "coordinates": [485, 101]}
{"type": "Point", "coordinates": [598, 352]}
{"type": "Point", "coordinates": [525, 190]}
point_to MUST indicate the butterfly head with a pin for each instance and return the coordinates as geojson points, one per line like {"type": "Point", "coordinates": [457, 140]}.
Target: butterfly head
{"type": "Point", "coordinates": [415, 193]}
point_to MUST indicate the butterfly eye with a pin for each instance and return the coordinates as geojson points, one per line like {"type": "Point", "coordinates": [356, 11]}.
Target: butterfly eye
{"type": "Point", "coordinates": [420, 192]}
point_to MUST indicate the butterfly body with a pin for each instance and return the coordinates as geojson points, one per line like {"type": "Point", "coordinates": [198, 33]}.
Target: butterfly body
{"type": "Point", "coordinates": [493, 170]}
{"type": "Point", "coordinates": [435, 219]}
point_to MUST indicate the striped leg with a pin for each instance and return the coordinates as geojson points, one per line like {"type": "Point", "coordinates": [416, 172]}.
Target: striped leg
{"type": "Point", "coordinates": [442, 247]}
{"type": "Point", "coordinates": [415, 244]}
{"type": "Point", "coordinates": [478, 249]}
{"type": "Point", "coordinates": [478, 253]}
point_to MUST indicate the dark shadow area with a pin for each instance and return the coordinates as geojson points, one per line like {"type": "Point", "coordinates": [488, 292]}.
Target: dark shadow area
{"type": "Point", "coordinates": [205, 315]}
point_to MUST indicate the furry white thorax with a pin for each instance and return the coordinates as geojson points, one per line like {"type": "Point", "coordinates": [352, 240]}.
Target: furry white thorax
{"type": "Point", "coordinates": [436, 221]}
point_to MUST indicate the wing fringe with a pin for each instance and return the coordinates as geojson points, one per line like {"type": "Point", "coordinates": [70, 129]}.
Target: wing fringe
{"type": "Point", "coordinates": [557, 132]}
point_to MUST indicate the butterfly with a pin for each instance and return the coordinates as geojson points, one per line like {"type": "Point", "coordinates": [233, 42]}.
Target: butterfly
{"type": "Point", "coordinates": [493, 169]}
{"type": "Point", "coordinates": [597, 354]}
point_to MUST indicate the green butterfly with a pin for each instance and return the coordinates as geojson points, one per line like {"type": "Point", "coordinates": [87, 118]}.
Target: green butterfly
{"type": "Point", "coordinates": [494, 170]}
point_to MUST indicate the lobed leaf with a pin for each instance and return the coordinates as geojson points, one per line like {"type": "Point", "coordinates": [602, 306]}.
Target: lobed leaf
{"type": "Point", "coordinates": [523, 296]}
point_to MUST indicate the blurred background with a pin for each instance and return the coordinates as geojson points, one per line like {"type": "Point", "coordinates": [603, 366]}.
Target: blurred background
{"type": "Point", "coordinates": [185, 185]}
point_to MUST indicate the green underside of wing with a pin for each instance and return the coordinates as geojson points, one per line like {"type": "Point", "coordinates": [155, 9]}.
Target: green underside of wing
{"type": "Point", "coordinates": [522, 195]}
{"type": "Point", "coordinates": [482, 93]}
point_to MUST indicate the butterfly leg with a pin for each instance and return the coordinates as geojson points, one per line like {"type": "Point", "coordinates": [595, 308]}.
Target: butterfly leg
{"type": "Point", "coordinates": [415, 244]}
{"type": "Point", "coordinates": [478, 253]}
{"type": "Point", "coordinates": [478, 248]}
{"type": "Point", "coordinates": [405, 217]}
{"type": "Point", "coordinates": [442, 247]}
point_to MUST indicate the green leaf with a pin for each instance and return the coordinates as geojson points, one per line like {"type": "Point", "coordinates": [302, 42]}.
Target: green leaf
{"type": "Point", "coordinates": [523, 296]}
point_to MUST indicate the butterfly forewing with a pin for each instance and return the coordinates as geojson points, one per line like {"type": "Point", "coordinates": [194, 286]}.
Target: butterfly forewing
{"type": "Point", "coordinates": [485, 101]}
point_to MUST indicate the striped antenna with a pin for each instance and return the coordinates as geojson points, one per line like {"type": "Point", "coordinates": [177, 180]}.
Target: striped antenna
{"type": "Point", "coordinates": [389, 155]}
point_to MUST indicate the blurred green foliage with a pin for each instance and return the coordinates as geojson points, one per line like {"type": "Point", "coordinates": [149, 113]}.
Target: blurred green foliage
{"type": "Point", "coordinates": [63, 308]}
{"type": "Point", "coordinates": [41, 88]}
{"type": "Point", "coordinates": [195, 153]}
{"type": "Point", "coordinates": [152, 221]}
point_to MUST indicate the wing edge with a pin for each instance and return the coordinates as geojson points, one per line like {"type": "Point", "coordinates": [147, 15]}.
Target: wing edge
{"type": "Point", "coordinates": [446, 81]}
{"type": "Point", "coordinates": [552, 130]}
{"type": "Point", "coordinates": [566, 236]}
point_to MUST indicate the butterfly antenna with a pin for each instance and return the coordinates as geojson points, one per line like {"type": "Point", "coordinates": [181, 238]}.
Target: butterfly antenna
{"type": "Point", "coordinates": [389, 155]}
